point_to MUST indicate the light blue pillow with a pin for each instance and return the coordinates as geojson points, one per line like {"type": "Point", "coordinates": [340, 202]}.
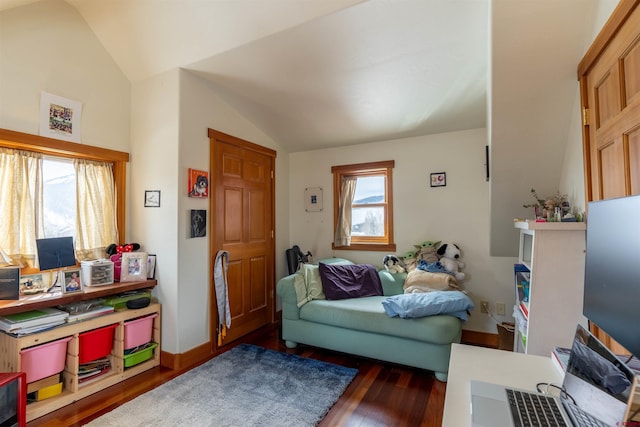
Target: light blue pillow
{"type": "Point", "coordinates": [453, 303]}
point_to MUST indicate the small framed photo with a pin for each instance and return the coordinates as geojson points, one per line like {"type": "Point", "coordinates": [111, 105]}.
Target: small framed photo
{"type": "Point", "coordinates": [152, 198]}
{"type": "Point", "coordinates": [151, 266]}
{"type": "Point", "coordinates": [32, 284]}
{"type": "Point", "coordinates": [439, 179]}
{"type": "Point", "coordinates": [60, 118]}
{"type": "Point", "coordinates": [134, 267]}
{"type": "Point", "coordinates": [198, 183]}
{"type": "Point", "coordinates": [313, 199]}
{"type": "Point", "coordinates": [198, 222]}
{"type": "Point", "coordinates": [72, 281]}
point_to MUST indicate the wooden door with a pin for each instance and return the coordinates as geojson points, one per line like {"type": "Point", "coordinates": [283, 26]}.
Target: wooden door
{"type": "Point", "coordinates": [610, 94]}
{"type": "Point", "coordinates": [242, 203]}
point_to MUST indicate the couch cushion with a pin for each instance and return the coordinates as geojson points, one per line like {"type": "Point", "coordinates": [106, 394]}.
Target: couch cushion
{"type": "Point", "coordinates": [367, 314]}
{"type": "Point", "coordinates": [349, 281]}
{"type": "Point", "coordinates": [307, 284]}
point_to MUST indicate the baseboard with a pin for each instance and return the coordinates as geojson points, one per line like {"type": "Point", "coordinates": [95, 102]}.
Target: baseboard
{"type": "Point", "coordinates": [187, 359]}
{"type": "Point", "coordinates": [482, 339]}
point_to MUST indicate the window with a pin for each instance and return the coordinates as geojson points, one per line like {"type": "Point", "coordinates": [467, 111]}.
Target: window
{"type": "Point", "coordinates": [363, 206]}
{"type": "Point", "coordinates": [48, 198]}
{"type": "Point", "coordinates": [59, 197]}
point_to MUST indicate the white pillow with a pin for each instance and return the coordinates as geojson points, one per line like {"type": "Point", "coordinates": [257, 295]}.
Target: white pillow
{"type": "Point", "coordinates": [308, 284]}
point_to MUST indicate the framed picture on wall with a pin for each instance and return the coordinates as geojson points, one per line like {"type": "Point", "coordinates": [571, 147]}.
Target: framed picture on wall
{"type": "Point", "coordinates": [60, 118]}
{"type": "Point", "coordinates": [313, 199]}
{"type": "Point", "coordinates": [439, 179]}
{"type": "Point", "coordinates": [198, 182]}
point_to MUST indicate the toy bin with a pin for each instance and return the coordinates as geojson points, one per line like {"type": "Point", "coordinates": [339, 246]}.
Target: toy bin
{"type": "Point", "coordinates": [44, 360]}
{"type": "Point", "coordinates": [139, 356]}
{"type": "Point", "coordinates": [96, 344]}
{"type": "Point", "coordinates": [138, 331]}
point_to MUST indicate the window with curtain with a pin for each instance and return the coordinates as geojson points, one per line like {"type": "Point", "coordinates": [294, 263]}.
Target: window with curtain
{"type": "Point", "coordinates": [55, 188]}
{"type": "Point", "coordinates": [363, 206]}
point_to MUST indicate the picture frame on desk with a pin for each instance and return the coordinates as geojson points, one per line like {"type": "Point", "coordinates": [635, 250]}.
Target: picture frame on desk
{"type": "Point", "coordinates": [32, 284]}
{"type": "Point", "coordinates": [134, 267]}
{"type": "Point", "coordinates": [151, 266]}
{"type": "Point", "coordinates": [72, 281]}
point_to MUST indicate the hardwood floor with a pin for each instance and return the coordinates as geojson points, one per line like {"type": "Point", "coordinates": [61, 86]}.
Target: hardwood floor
{"type": "Point", "coordinates": [382, 394]}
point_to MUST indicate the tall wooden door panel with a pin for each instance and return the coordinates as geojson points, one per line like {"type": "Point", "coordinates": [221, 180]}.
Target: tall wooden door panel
{"type": "Point", "coordinates": [243, 206]}
{"type": "Point", "coordinates": [609, 77]}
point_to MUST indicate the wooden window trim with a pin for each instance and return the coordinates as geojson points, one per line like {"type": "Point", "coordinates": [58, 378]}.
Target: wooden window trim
{"type": "Point", "coordinates": [71, 150]}
{"type": "Point", "coordinates": [386, 243]}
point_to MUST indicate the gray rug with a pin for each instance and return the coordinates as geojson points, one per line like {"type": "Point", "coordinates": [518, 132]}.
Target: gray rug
{"type": "Point", "coordinates": [246, 386]}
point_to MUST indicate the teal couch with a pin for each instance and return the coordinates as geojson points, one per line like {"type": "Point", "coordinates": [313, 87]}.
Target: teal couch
{"type": "Point", "coordinates": [360, 326]}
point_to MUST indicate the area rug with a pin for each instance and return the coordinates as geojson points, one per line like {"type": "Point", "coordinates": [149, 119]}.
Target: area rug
{"type": "Point", "coordinates": [245, 386]}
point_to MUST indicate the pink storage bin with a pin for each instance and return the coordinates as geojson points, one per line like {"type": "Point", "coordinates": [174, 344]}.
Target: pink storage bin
{"type": "Point", "coordinates": [138, 331]}
{"type": "Point", "coordinates": [44, 360]}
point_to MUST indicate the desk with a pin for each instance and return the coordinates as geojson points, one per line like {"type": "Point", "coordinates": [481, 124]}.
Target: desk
{"type": "Point", "coordinates": [497, 366]}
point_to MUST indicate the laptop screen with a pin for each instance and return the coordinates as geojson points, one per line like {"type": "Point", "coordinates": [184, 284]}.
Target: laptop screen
{"type": "Point", "coordinates": [597, 381]}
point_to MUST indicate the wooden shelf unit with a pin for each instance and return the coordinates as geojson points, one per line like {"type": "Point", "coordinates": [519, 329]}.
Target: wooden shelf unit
{"type": "Point", "coordinates": [554, 253]}
{"type": "Point", "coordinates": [73, 390]}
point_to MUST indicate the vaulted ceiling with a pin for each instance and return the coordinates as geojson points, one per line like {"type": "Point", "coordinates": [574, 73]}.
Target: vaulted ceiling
{"type": "Point", "coordinates": [313, 73]}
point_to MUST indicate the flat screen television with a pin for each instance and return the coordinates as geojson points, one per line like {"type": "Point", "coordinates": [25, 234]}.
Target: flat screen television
{"type": "Point", "coordinates": [612, 269]}
{"type": "Point", "coordinates": [55, 252]}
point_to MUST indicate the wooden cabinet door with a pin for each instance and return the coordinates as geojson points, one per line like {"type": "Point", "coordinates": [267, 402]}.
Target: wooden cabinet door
{"type": "Point", "coordinates": [610, 94]}
{"type": "Point", "coordinates": [243, 224]}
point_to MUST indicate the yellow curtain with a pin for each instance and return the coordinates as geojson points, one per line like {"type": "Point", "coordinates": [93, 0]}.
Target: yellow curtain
{"type": "Point", "coordinates": [20, 205]}
{"type": "Point", "coordinates": [343, 228]}
{"type": "Point", "coordinates": [96, 209]}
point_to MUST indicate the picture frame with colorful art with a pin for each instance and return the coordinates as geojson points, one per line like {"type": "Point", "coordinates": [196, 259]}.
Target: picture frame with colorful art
{"type": "Point", "coordinates": [32, 284]}
{"type": "Point", "coordinates": [198, 183]}
{"type": "Point", "coordinates": [439, 179]}
{"type": "Point", "coordinates": [133, 267]}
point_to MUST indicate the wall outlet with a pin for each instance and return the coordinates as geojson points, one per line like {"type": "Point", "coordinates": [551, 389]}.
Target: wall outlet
{"type": "Point", "coordinates": [484, 307]}
{"type": "Point", "coordinates": [501, 309]}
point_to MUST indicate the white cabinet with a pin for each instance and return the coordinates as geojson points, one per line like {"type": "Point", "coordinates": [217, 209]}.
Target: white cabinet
{"type": "Point", "coordinates": [553, 253]}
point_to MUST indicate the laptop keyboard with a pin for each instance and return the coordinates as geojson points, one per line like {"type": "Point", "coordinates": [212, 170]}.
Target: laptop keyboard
{"type": "Point", "coordinates": [534, 410]}
{"type": "Point", "coordinates": [580, 417]}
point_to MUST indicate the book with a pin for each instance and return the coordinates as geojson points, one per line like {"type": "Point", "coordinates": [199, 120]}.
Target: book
{"type": "Point", "coordinates": [32, 318]}
{"type": "Point", "coordinates": [560, 358]}
{"type": "Point", "coordinates": [98, 311]}
{"type": "Point", "coordinates": [524, 307]}
{"type": "Point", "coordinates": [9, 283]}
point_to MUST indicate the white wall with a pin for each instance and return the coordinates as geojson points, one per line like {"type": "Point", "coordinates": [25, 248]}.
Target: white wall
{"type": "Point", "coordinates": [171, 116]}
{"type": "Point", "coordinates": [154, 166]}
{"type": "Point", "coordinates": [458, 212]}
{"type": "Point", "coordinates": [47, 46]}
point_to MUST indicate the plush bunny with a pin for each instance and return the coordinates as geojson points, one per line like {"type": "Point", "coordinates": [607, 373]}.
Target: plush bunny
{"type": "Point", "coordinates": [449, 254]}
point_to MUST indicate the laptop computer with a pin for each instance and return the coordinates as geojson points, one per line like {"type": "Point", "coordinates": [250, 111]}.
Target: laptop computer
{"type": "Point", "coordinates": [597, 386]}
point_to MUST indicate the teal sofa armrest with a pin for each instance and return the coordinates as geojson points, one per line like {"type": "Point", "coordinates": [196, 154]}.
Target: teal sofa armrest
{"type": "Point", "coordinates": [287, 292]}
{"type": "Point", "coordinates": [392, 284]}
